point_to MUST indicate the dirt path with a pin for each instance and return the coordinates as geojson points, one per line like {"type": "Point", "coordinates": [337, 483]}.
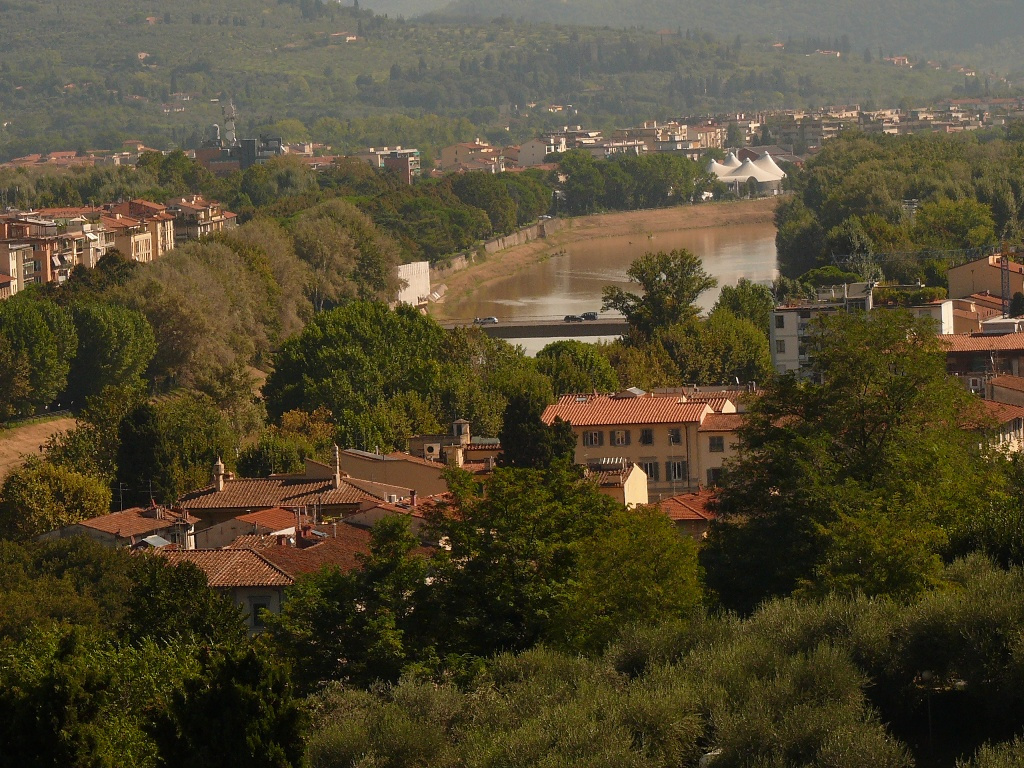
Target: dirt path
{"type": "Point", "coordinates": [16, 442]}
{"type": "Point", "coordinates": [504, 263]}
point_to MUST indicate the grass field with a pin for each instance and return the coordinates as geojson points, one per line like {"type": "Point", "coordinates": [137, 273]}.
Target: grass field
{"type": "Point", "coordinates": [25, 439]}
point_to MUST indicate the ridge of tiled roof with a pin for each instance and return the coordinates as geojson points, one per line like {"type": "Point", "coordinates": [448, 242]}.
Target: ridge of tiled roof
{"type": "Point", "coordinates": [688, 506]}
{"type": "Point", "coordinates": [273, 492]}
{"type": "Point", "coordinates": [273, 519]}
{"type": "Point", "coordinates": [605, 410]}
{"type": "Point", "coordinates": [340, 548]}
{"type": "Point", "coordinates": [1007, 381]}
{"type": "Point", "coordinates": [1009, 342]}
{"type": "Point", "coordinates": [1002, 412]}
{"type": "Point", "coordinates": [132, 522]}
{"type": "Point", "coordinates": [721, 422]}
{"type": "Point", "coordinates": [225, 568]}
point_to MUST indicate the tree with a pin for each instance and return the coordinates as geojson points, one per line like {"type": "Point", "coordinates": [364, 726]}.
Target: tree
{"type": "Point", "coordinates": [719, 350]}
{"type": "Point", "coordinates": [39, 339]}
{"type": "Point", "coordinates": [749, 301]}
{"type": "Point", "coordinates": [875, 438]}
{"type": "Point", "coordinates": [239, 711]}
{"type": "Point", "coordinates": [511, 554]}
{"type": "Point", "coordinates": [527, 442]}
{"type": "Point", "coordinates": [575, 366]}
{"type": "Point", "coordinates": [115, 345]}
{"type": "Point", "coordinates": [671, 282]}
{"type": "Point", "coordinates": [635, 569]}
{"type": "Point", "coordinates": [360, 626]}
{"type": "Point", "coordinates": [40, 497]}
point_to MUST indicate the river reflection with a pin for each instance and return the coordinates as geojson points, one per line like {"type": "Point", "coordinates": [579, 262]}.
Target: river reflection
{"type": "Point", "coordinates": [571, 282]}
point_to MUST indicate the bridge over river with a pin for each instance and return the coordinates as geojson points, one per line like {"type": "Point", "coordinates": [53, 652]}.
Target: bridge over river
{"type": "Point", "coordinates": [548, 327]}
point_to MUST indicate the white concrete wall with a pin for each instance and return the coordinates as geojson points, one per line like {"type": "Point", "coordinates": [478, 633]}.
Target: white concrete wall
{"type": "Point", "coordinates": [416, 275]}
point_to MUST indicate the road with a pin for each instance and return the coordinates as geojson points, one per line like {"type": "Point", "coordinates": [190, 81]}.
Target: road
{"type": "Point", "coordinates": [549, 327]}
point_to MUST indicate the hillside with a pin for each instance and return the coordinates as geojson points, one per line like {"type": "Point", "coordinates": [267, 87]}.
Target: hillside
{"type": "Point", "coordinates": [88, 75]}
{"type": "Point", "coordinates": [912, 27]}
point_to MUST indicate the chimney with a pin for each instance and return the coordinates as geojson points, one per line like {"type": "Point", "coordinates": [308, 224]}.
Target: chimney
{"type": "Point", "coordinates": [455, 456]}
{"type": "Point", "coordinates": [412, 497]}
{"type": "Point", "coordinates": [218, 474]}
{"type": "Point", "coordinates": [336, 480]}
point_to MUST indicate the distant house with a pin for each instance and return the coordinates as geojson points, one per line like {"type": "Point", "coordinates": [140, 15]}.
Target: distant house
{"type": "Point", "coordinates": [690, 512]}
{"type": "Point", "coordinates": [274, 521]}
{"type": "Point", "coordinates": [1006, 389]}
{"type": "Point", "coordinates": [621, 480]}
{"type": "Point", "coordinates": [249, 579]}
{"type": "Point", "coordinates": [660, 432]}
{"type": "Point", "coordinates": [984, 275]}
{"type": "Point", "coordinates": [129, 528]}
{"type": "Point", "coordinates": [321, 491]}
{"type": "Point", "coordinates": [196, 217]}
{"type": "Point", "coordinates": [424, 477]}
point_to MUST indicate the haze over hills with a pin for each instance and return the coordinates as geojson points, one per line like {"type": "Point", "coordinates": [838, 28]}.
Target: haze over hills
{"type": "Point", "coordinates": [915, 27]}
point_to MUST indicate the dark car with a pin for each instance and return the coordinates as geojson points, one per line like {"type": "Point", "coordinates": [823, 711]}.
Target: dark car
{"type": "Point", "coordinates": [589, 315]}
{"type": "Point", "coordinates": [573, 319]}
{"type": "Point", "coordinates": [485, 320]}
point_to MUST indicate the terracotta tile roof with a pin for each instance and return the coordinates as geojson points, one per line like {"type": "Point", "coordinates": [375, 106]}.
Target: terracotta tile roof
{"type": "Point", "coordinates": [135, 522]}
{"type": "Point", "coordinates": [1002, 412]}
{"type": "Point", "coordinates": [717, 404]}
{"type": "Point", "coordinates": [1006, 381]}
{"type": "Point", "coordinates": [721, 422]}
{"type": "Point", "coordinates": [611, 478]}
{"type": "Point", "coordinates": [274, 519]}
{"type": "Point", "coordinates": [377, 490]}
{"type": "Point", "coordinates": [225, 568]}
{"type": "Point", "coordinates": [688, 506]}
{"type": "Point", "coordinates": [604, 410]}
{"type": "Point", "coordinates": [338, 550]}
{"type": "Point", "coordinates": [269, 492]}
{"type": "Point", "coordinates": [253, 541]}
{"type": "Point", "coordinates": [1009, 342]}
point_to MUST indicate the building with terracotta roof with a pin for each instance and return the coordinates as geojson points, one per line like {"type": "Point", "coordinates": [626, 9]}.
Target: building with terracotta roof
{"type": "Point", "coordinates": [156, 219]}
{"type": "Point", "coordinates": [196, 217]}
{"type": "Point", "coordinates": [621, 480]}
{"type": "Point", "coordinates": [321, 491]}
{"type": "Point", "coordinates": [131, 236]}
{"type": "Point", "coordinates": [128, 527]}
{"type": "Point", "coordinates": [421, 475]}
{"type": "Point", "coordinates": [250, 580]}
{"type": "Point", "coordinates": [1005, 389]}
{"type": "Point", "coordinates": [976, 358]}
{"type": "Point", "coordinates": [273, 521]}
{"type": "Point", "coordinates": [690, 512]}
{"type": "Point", "coordinates": [984, 275]}
{"type": "Point", "coordinates": [1004, 427]}
{"type": "Point", "coordinates": [659, 433]}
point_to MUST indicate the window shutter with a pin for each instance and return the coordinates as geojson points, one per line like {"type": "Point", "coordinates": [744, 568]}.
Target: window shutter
{"type": "Point", "coordinates": [627, 437]}
{"type": "Point", "coordinates": [600, 438]}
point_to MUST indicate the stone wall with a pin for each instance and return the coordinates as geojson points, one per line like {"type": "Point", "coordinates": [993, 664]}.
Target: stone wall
{"type": "Point", "coordinates": [459, 262]}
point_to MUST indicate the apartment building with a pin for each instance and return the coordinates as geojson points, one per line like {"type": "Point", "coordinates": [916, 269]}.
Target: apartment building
{"type": "Point", "coordinates": [680, 442]}
{"type": "Point", "coordinates": [155, 218]}
{"type": "Point", "coordinates": [195, 217]}
{"type": "Point", "coordinates": [131, 237]}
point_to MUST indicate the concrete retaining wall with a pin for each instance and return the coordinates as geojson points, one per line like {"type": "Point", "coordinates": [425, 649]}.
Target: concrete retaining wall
{"type": "Point", "coordinates": [460, 261]}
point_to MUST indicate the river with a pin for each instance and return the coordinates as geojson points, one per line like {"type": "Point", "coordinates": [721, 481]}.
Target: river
{"type": "Point", "coordinates": [570, 282]}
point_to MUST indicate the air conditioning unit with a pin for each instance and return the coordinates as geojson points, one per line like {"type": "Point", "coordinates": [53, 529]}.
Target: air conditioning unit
{"type": "Point", "coordinates": [392, 498]}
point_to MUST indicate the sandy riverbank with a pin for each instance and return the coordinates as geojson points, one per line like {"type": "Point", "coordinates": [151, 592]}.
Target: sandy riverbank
{"type": "Point", "coordinates": [504, 263]}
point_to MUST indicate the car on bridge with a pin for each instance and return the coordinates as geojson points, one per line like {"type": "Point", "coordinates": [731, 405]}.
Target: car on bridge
{"type": "Point", "coordinates": [589, 315]}
{"type": "Point", "coordinates": [573, 319]}
{"type": "Point", "coordinates": [485, 320]}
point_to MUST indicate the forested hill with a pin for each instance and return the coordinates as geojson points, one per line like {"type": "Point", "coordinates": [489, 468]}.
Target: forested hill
{"type": "Point", "coordinates": [920, 27]}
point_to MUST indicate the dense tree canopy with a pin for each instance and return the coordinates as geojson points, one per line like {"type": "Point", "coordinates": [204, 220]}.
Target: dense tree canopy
{"type": "Point", "coordinates": [852, 480]}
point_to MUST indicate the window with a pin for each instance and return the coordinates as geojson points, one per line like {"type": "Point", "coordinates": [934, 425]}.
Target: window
{"type": "Point", "coordinates": [780, 346]}
{"type": "Point", "coordinates": [716, 444]}
{"type": "Point", "coordinates": [646, 437]}
{"type": "Point", "coordinates": [675, 437]}
{"type": "Point", "coordinates": [620, 437]}
{"type": "Point", "coordinates": [257, 604]}
{"type": "Point", "coordinates": [650, 468]}
{"type": "Point", "coordinates": [780, 321]}
{"type": "Point", "coordinates": [675, 471]}
{"type": "Point", "coordinates": [593, 438]}
{"type": "Point", "coordinates": [714, 476]}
